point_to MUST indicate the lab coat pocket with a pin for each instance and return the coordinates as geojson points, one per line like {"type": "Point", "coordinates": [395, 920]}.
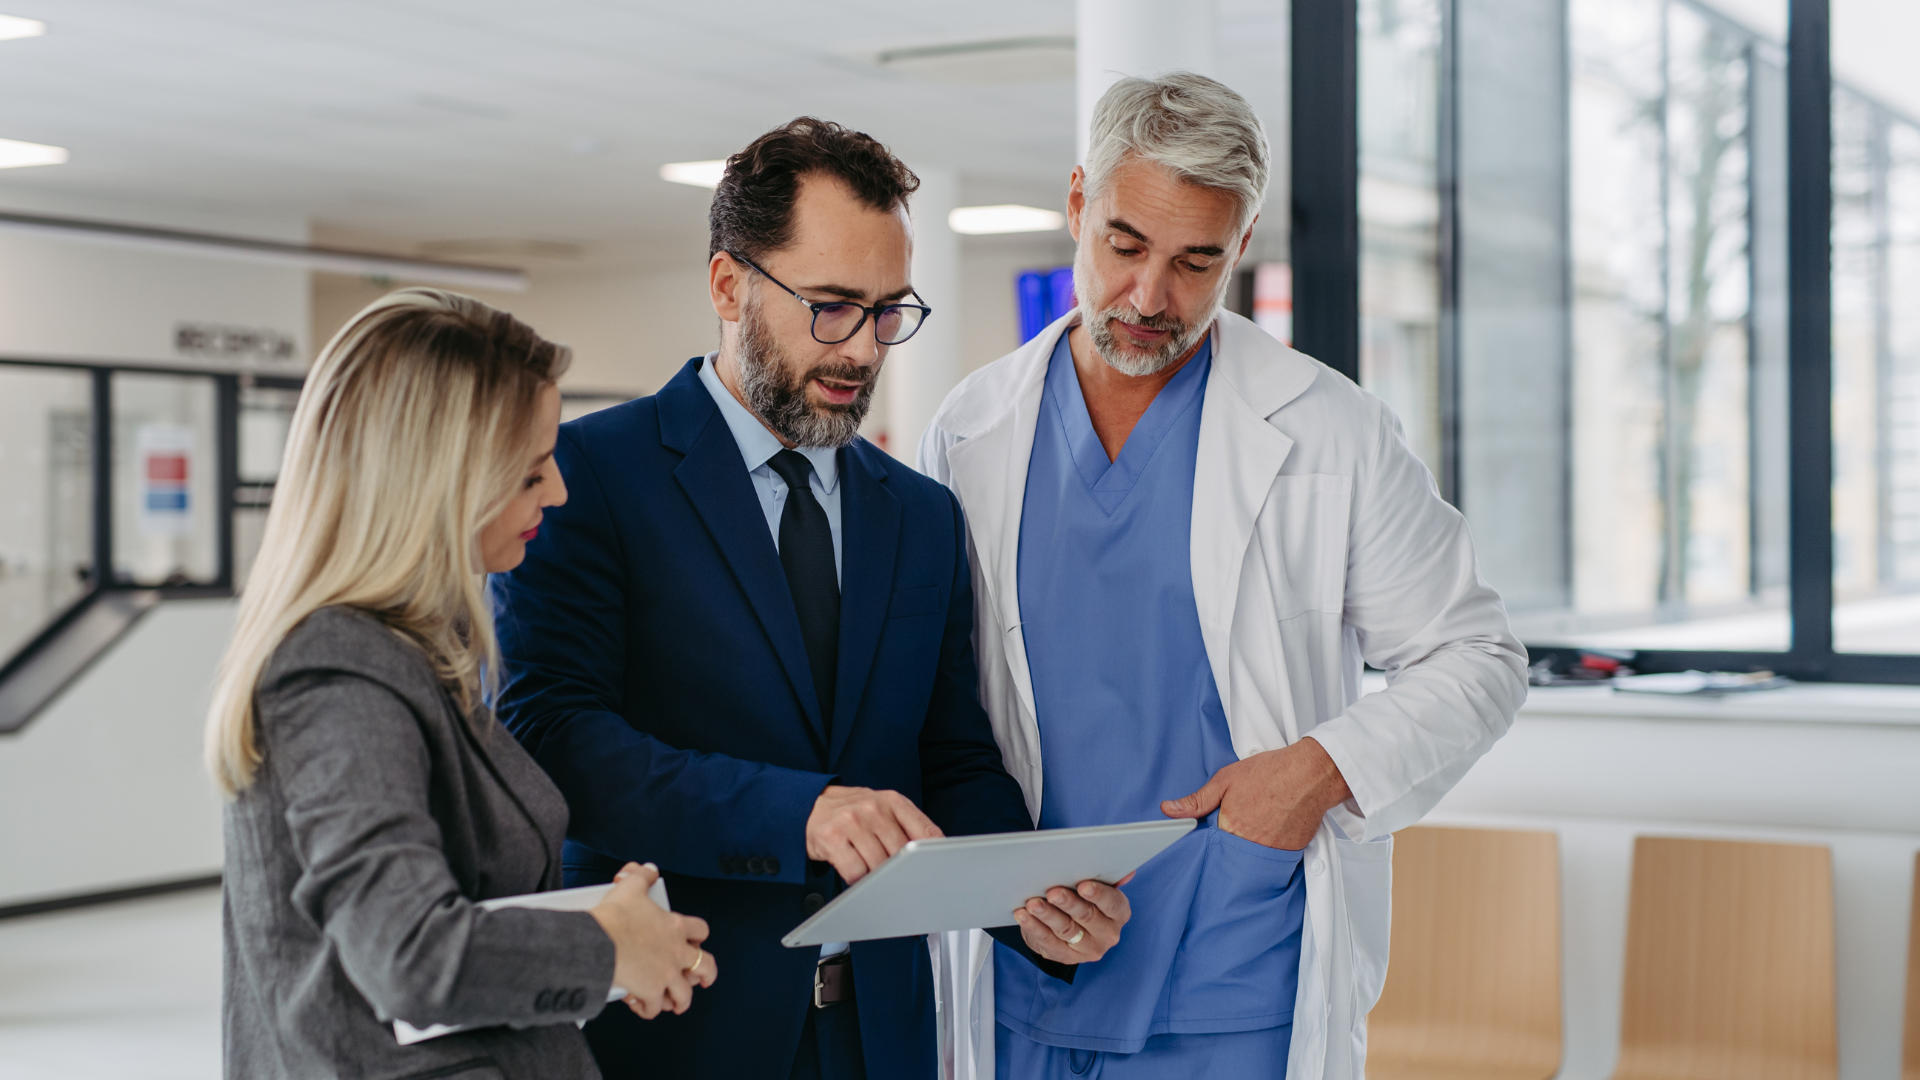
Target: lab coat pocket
{"type": "Point", "coordinates": [1303, 537]}
{"type": "Point", "coordinates": [1366, 882]}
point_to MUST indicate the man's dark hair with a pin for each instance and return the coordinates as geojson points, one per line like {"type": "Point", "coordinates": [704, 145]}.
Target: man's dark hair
{"type": "Point", "coordinates": [753, 207]}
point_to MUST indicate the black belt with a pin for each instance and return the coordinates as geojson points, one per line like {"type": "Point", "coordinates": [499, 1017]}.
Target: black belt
{"type": "Point", "coordinates": [833, 980]}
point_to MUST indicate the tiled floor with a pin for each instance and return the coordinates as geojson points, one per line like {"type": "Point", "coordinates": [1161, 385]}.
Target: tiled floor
{"type": "Point", "coordinates": [127, 991]}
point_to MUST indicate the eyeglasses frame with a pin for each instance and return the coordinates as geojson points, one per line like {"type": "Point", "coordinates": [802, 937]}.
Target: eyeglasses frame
{"type": "Point", "coordinates": [866, 313]}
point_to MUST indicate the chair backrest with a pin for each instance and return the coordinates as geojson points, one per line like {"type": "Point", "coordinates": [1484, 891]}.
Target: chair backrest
{"type": "Point", "coordinates": [1911, 1069]}
{"type": "Point", "coordinates": [1473, 976]}
{"type": "Point", "coordinates": [1729, 968]}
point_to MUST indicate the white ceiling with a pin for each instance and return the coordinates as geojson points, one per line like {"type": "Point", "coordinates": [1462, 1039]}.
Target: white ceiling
{"type": "Point", "coordinates": [449, 119]}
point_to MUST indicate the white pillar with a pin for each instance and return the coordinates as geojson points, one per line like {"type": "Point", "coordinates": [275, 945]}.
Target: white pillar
{"type": "Point", "coordinates": [1143, 38]}
{"type": "Point", "coordinates": [920, 372]}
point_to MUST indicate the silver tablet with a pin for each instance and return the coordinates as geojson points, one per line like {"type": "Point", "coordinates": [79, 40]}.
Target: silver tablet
{"type": "Point", "coordinates": [963, 882]}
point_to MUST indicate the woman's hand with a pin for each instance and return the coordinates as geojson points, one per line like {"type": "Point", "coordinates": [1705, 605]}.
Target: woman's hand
{"type": "Point", "coordinates": [657, 954]}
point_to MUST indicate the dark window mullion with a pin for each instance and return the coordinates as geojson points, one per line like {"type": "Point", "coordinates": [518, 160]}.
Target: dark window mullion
{"type": "Point", "coordinates": [227, 389]}
{"type": "Point", "coordinates": [1447, 180]}
{"type": "Point", "coordinates": [102, 471]}
{"type": "Point", "coordinates": [1810, 336]}
{"type": "Point", "coordinates": [1325, 162]}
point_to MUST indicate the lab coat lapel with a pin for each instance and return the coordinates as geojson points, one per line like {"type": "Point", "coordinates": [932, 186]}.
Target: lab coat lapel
{"type": "Point", "coordinates": [714, 476]}
{"type": "Point", "coordinates": [870, 536]}
{"type": "Point", "coordinates": [1240, 456]}
{"type": "Point", "coordinates": [990, 476]}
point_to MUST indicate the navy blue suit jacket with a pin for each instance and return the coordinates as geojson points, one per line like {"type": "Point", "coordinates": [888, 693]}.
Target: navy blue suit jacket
{"type": "Point", "coordinates": [654, 667]}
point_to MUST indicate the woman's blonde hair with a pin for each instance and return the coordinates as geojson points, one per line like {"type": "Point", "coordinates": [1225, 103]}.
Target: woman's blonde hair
{"type": "Point", "coordinates": [412, 433]}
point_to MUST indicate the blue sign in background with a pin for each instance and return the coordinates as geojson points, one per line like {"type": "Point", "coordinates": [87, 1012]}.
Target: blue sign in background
{"type": "Point", "coordinates": [1043, 296]}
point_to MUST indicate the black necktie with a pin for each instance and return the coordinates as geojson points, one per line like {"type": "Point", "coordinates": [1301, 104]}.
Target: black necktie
{"type": "Point", "coordinates": [806, 552]}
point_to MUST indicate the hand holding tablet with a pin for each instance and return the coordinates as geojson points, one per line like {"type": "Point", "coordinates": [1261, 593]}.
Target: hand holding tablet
{"type": "Point", "coordinates": [1077, 925]}
{"type": "Point", "coordinates": [964, 882]}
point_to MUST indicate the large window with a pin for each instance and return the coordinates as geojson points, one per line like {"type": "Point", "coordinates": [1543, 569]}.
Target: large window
{"type": "Point", "coordinates": [1399, 64]}
{"type": "Point", "coordinates": [1677, 524]}
{"type": "Point", "coordinates": [1876, 375]}
{"type": "Point", "coordinates": [1576, 290]}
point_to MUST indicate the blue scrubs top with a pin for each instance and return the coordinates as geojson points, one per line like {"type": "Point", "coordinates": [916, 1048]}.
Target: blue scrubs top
{"type": "Point", "coordinates": [1129, 716]}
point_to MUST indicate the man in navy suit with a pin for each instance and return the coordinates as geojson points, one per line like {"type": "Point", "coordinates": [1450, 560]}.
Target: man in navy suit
{"type": "Point", "coordinates": [742, 648]}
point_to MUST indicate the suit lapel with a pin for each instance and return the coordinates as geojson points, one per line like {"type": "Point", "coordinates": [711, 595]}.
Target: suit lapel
{"type": "Point", "coordinates": [714, 476]}
{"type": "Point", "coordinates": [869, 538]}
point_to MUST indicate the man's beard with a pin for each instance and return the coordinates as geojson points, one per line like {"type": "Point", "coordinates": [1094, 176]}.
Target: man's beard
{"type": "Point", "coordinates": [1126, 357]}
{"type": "Point", "coordinates": [782, 401]}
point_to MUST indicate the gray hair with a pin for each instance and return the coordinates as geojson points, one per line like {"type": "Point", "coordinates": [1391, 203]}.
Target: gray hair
{"type": "Point", "coordinates": [1192, 126]}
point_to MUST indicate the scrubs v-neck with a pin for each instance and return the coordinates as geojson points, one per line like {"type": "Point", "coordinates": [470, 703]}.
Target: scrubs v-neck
{"type": "Point", "coordinates": [1128, 716]}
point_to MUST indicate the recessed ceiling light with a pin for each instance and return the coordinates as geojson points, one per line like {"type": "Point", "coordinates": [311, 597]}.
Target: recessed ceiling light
{"type": "Point", "coordinates": [704, 174]}
{"type": "Point", "coordinates": [18, 155]}
{"type": "Point", "coordinates": [13, 26]}
{"type": "Point", "coordinates": [1006, 218]}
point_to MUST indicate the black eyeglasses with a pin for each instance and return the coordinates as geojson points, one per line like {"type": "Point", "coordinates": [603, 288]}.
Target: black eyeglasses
{"type": "Point", "coordinates": [834, 321]}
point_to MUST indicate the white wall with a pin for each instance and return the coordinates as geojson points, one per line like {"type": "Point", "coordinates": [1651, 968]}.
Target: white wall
{"type": "Point", "coordinates": [104, 790]}
{"type": "Point", "coordinates": [92, 300]}
{"type": "Point", "coordinates": [631, 329]}
{"type": "Point", "coordinates": [987, 269]}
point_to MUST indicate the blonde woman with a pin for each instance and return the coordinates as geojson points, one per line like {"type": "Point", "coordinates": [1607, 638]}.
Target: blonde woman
{"type": "Point", "coordinates": [374, 798]}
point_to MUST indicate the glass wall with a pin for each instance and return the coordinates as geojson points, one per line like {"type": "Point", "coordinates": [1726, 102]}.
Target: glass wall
{"type": "Point", "coordinates": [1617, 247]}
{"type": "Point", "coordinates": [1673, 523]}
{"type": "Point", "coordinates": [265, 416]}
{"type": "Point", "coordinates": [1399, 106]}
{"type": "Point", "coordinates": [165, 479]}
{"type": "Point", "coordinates": [1876, 335]}
{"type": "Point", "coordinates": [46, 526]}
{"type": "Point", "coordinates": [1253, 53]}
{"type": "Point", "coordinates": [1574, 293]}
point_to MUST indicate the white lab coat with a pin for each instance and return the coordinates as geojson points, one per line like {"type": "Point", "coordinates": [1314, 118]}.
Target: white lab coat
{"type": "Point", "coordinates": [1318, 540]}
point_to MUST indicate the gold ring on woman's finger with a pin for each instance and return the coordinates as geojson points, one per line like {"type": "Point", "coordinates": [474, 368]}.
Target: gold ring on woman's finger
{"type": "Point", "coordinates": [1075, 939]}
{"type": "Point", "coordinates": [700, 957]}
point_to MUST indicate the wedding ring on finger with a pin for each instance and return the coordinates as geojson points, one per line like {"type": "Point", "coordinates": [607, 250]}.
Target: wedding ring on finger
{"type": "Point", "coordinates": [1075, 939]}
{"type": "Point", "coordinates": [699, 957]}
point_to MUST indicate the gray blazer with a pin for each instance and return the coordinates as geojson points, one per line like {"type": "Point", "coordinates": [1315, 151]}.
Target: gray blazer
{"type": "Point", "coordinates": [352, 867]}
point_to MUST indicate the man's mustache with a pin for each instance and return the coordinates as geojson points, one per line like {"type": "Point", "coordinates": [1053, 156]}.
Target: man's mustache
{"type": "Point", "coordinates": [1145, 322]}
{"type": "Point", "coordinates": [847, 374]}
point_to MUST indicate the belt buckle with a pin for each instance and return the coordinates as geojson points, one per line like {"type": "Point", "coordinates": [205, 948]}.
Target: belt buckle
{"type": "Point", "coordinates": [832, 980]}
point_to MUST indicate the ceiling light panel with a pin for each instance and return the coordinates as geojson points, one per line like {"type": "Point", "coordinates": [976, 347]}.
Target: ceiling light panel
{"type": "Point", "coordinates": [995, 62]}
{"type": "Point", "coordinates": [704, 174]}
{"type": "Point", "coordinates": [13, 26]}
{"type": "Point", "coordinates": [19, 155]}
{"type": "Point", "coordinates": [1004, 218]}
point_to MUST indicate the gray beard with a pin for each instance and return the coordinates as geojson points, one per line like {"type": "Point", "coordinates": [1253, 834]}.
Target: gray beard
{"type": "Point", "coordinates": [1125, 357]}
{"type": "Point", "coordinates": [782, 402]}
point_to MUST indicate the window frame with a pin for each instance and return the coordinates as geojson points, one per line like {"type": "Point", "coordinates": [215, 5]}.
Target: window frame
{"type": "Point", "coordinates": [1325, 229]}
{"type": "Point", "coordinates": [74, 636]}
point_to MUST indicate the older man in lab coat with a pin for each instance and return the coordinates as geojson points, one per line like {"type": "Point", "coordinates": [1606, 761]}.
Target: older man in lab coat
{"type": "Point", "coordinates": [1187, 537]}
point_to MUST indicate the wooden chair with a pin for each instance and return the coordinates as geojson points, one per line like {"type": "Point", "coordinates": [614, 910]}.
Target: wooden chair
{"type": "Point", "coordinates": [1473, 977]}
{"type": "Point", "coordinates": [1911, 1069]}
{"type": "Point", "coordinates": [1729, 972]}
